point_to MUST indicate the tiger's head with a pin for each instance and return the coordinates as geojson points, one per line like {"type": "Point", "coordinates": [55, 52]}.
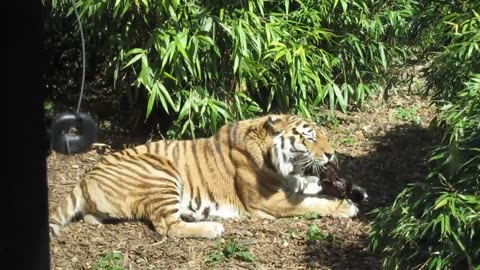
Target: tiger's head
{"type": "Point", "coordinates": [298, 145]}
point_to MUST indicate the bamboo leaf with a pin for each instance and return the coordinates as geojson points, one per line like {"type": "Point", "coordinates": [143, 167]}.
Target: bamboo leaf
{"type": "Point", "coordinates": [382, 55]}
{"type": "Point", "coordinates": [134, 60]}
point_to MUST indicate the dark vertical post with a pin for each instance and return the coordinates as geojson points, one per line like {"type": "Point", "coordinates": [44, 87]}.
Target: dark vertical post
{"type": "Point", "coordinates": [24, 242]}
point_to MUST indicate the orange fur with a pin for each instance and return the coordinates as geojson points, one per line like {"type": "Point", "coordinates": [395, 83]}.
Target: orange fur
{"type": "Point", "coordinates": [230, 174]}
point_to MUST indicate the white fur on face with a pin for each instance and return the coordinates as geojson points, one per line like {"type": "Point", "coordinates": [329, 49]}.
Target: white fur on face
{"type": "Point", "coordinates": [291, 158]}
{"type": "Point", "coordinates": [284, 154]}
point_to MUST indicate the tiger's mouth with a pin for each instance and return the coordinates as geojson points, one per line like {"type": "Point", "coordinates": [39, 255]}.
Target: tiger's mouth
{"type": "Point", "coordinates": [315, 168]}
{"type": "Point", "coordinates": [334, 184]}
{"type": "Point", "coordinates": [309, 171]}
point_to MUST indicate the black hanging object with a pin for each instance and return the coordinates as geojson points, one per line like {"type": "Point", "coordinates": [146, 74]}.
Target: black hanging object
{"type": "Point", "coordinates": [64, 142]}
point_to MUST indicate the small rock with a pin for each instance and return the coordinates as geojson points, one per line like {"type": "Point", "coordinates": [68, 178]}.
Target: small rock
{"type": "Point", "coordinates": [359, 135]}
{"type": "Point", "coordinates": [75, 166]}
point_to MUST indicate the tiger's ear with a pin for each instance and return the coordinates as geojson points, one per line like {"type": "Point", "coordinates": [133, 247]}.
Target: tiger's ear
{"type": "Point", "coordinates": [274, 123]}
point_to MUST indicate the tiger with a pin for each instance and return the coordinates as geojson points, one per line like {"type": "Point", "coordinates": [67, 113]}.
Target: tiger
{"type": "Point", "coordinates": [248, 168]}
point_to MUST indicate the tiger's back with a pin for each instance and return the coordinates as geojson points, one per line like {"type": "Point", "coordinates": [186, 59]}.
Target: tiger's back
{"type": "Point", "coordinates": [207, 175]}
{"type": "Point", "coordinates": [160, 182]}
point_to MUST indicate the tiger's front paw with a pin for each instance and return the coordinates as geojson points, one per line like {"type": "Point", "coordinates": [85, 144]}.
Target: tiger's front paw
{"type": "Point", "coordinates": [312, 188]}
{"type": "Point", "coordinates": [214, 229]}
{"type": "Point", "coordinates": [348, 209]}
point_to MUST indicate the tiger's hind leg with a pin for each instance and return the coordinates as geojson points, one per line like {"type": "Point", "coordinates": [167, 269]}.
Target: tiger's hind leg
{"type": "Point", "coordinates": [165, 217]}
{"type": "Point", "coordinates": [182, 229]}
{"type": "Point", "coordinates": [160, 202]}
{"type": "Point", "coordinates": [93, 220]}
{"type": "Point", "coordinates": [205, 229]}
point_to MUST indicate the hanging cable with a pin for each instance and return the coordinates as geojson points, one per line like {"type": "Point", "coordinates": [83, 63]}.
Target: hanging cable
{"type": "Point", "coordinates": [61, 139]}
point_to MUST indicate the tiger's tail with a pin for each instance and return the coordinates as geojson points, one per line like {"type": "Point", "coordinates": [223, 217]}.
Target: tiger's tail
{"type": "Point", "coordinates": [71, 206]}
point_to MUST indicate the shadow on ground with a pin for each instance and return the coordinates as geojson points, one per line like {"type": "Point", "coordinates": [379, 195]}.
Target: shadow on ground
{"type": "Point", "coordinates": [398, 158]}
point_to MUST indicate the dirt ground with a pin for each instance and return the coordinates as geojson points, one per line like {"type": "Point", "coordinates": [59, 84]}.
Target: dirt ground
{"type": "Point", "coordinates": [382, 148]}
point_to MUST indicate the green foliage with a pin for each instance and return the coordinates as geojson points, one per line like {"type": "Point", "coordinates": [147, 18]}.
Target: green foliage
{"type": "Point", "coordinates": [431, 26]}
{"type": "Point", "coordinates": [310, 216]}
{"type": "Point", "coordinates": [459, 60]}
{"type": "Point", "coordinates": [230, 250]}
{"type": "Point", "coordinates": [110, 261]}
{"type": "Point", "coordinates": [448, 36]}
{"type": "Point", "coordinates": [461, 116]}
{"type": "Point", "coordinates": [348, 140]}
{"type": "Point", "coordinates": [314, 234]}
{"type": "Point", "coordinates": [206, 63]}
{"type": "Point", "coordinates": [408, 114]}
{"type": "Point", "coordinates": [435, 224]}
{"type": "Point", "coordinates": [293, 233]}
{"type": "Point", "coordinates": [49, 107]}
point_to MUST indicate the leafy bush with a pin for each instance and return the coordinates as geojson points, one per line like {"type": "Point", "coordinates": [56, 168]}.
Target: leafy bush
{"type": "Point", "coordinates": [435, 224]}
{"type": "Point", "coordinates": [430, 27]}
{"type": "Point", "coordinates": [230, 250]}
{"type": "Point", "coordinates": [315, 235]}
{"type": "Point", "coordinates": [110, 261]}
{"type": "Point", "coordinates": [460, 59]}
{"type": "Point", "coordinates": [206, 63]}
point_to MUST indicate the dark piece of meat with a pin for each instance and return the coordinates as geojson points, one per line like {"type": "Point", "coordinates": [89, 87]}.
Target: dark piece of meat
{"type": "Point", "coordinates": [333, 184]}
